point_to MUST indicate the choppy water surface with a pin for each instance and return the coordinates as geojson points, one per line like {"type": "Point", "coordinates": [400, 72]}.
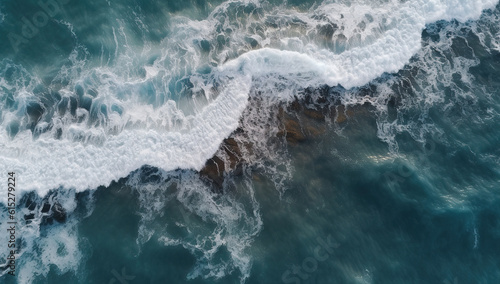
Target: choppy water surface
{"type": "Point", "coordinates": [367, 136]}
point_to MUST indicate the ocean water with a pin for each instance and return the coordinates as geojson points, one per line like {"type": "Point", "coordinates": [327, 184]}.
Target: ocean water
{"type": "Point", "coordinates": [367, 133]}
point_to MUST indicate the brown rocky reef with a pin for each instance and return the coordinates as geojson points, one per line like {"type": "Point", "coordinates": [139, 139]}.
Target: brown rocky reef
{"type": "Point", "coordinates": [300, 121]}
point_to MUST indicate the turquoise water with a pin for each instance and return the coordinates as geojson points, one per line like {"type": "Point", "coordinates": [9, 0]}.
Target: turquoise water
{"type": "Point", "coordinates": [110, 110]}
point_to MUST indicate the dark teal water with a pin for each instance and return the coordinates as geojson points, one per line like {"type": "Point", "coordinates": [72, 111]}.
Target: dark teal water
{"type": "Point", "coordinates": [405, 190]}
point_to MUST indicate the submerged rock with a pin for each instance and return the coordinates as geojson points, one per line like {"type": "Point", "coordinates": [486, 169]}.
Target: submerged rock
{"type": "Point", "coordinates": [230, 160]}
{"type": "Point", "coordinates": [214, 171]}
{"type": "Point", "coordinates": [58, 213]}
{"type": "Point", "coordinates": [53, 212]}
{"type": "Point", "coordinates": [45, 208]}
{"type": "Point", "coordinates": [291, 130]}
{"type": "Point", "coordinates": [30, 216]}
{"type": "Point", "coordinates": [299, 121]}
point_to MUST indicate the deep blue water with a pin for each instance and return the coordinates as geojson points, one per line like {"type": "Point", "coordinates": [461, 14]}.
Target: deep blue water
{"type": "Point", "coordinates": [393, 178]}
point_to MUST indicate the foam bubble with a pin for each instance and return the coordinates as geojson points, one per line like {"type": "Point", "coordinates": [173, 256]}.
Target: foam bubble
{"type": "Point", "coordinates": [210, 223]}
{"type": "Point", "coordinates": [117, 128]}
{"type": "Point", "coordinates": [98, 124]}
{"type": "Point", "coordinates": [40, 247]}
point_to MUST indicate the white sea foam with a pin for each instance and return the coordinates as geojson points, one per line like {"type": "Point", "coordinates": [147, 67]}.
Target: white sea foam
{"type": "Point", "coordinates": [210, 222]}
{"type": "Point", "coordinates": [54, 246]}
{"type": "Point", "coordinates": [136, 118]}
{"type": "Point", "coordinates": [46, 163]}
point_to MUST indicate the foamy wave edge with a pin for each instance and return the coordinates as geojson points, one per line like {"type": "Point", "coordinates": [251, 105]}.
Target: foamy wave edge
{"type": "Point", "coordinates": [46, 164]}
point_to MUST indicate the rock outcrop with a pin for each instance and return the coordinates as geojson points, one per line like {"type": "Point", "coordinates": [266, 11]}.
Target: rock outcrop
{"type": "Point", "coordinates": [299, 121]}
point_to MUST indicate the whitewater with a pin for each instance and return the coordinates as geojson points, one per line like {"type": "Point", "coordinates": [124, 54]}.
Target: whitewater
{"type": "Point", "coordinates": [108, 116]}
{"type": "Point", "coordinates": [100, 155]}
